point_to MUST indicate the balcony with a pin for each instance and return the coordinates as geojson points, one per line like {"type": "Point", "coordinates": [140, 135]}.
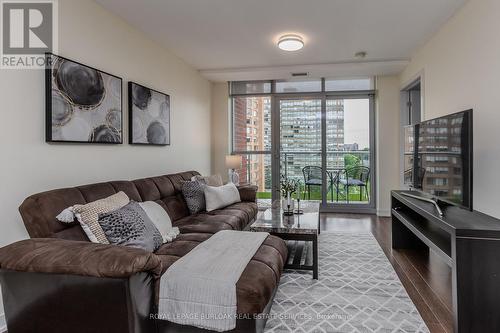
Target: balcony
{"type": "Point", "coordinates": [257, 170]}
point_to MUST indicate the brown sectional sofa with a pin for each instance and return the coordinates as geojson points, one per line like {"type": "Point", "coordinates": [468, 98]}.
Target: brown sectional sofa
{"type": "Point", "coordinates": [58, 281]}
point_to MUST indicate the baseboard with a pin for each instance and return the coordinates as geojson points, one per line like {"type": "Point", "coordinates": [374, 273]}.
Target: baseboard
{"type": "Point", "coordinates": [3, 323]}
{"type": "Point", "coordinates": [384, 212]}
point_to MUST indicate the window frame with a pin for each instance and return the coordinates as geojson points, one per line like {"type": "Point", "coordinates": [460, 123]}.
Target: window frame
{"type": "Point", "coordinates": [275, 137]}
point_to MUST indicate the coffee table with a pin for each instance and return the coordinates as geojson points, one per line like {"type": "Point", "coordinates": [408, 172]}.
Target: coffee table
{"type": "Point", "coordinates": [299, 231]}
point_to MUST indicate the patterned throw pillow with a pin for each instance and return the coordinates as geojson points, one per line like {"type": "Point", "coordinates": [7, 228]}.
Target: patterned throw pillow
{"type": "Point", "coordinates": [194, 195]}
{"type": "Point", "coordinates": [131, 226]}
{"type": "Point", "coordinates": [88, 215]}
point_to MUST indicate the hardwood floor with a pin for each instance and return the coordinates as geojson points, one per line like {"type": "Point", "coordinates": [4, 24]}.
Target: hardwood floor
{"type": "Point", "coordinates": [425, 277]}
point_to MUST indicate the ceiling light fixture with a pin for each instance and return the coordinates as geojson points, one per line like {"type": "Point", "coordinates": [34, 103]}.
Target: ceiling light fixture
{"type": "Point", "coordinates": [360, 54]}
{"type": "Point", "coordinates": [290, 43]}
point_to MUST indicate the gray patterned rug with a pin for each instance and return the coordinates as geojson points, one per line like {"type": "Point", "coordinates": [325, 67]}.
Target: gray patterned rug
{"type": "Point", "coordinates": [357, 291]}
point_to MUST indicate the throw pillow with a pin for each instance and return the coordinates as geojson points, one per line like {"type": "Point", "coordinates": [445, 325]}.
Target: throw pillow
{"type": "Point", "coordinates": [221, 196]}
{"type": "Point", "coordinates": [161, 220]}
{"type": "Point", "coordinates": [88, 215]}
{"type": "Point", "coordinates": [214, 180]}
{"type": "Point", "coordinates": [194, 195]}
{"type": "Point", "coordinates": [131, 226]}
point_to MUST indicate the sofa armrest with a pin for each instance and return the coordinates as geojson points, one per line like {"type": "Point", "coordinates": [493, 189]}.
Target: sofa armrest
{"type": "Point", "coordinates": [248, 193]}
{"type": "Point", "coordinates": [58, 256]}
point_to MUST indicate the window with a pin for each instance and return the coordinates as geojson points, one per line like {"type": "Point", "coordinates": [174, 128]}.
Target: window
{"type": "Point", "coordinates": [252, 140]}
{"type": "Point", "coordinates": [298, 86]}
{"type": "Point", "coordinates": [302, 106]}
{"type": "Point", "coordinates": [349, 84]}
{"type": "Point", "coordinates": [250, 87]}
{"type": "Point", "coordinates": [251, 124]}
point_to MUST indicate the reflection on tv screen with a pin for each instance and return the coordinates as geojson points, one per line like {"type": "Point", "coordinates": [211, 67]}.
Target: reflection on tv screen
{"type": "Point", "coordinates": [440, 159]}
{"type": "Point", "coordinates": [442, 176]}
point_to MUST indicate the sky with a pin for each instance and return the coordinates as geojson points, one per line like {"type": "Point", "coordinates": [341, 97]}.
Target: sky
{"type": "Point", "coordinates": [356, 122]}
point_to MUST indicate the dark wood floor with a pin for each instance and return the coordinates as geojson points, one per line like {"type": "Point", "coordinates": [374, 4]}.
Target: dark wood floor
{"type": "Point", "coordinates": [426, 278]}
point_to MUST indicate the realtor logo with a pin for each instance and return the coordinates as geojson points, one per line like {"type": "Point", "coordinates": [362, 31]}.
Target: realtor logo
{"type": "Point", "coordinates": [28, 31]}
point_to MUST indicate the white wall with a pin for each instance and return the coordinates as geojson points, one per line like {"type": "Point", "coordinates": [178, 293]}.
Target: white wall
{"type": "Point", "coordinates": [461, 66]}
{"type": "Point", "coordinates": [387, 142]}
{"type": "Point", "coordinates": [90, 34]}
{"type": "Point", "coordinates": [220, 128]}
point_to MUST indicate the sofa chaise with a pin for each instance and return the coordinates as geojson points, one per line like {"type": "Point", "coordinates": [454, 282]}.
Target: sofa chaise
{"type": "Point", "coordinates": [58, 281]}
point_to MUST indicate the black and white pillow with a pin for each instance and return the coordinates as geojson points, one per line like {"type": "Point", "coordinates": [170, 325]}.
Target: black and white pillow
{"type": "Point", "coordinates": [193, 192]}
{"type": "Point", "coordinates": [131, 226]}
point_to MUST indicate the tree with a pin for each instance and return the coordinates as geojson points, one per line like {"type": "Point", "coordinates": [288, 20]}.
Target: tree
{"type": "Point", "coordinates": [351, 161]}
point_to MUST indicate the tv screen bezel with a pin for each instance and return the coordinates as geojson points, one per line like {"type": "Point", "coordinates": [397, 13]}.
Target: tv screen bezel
{"type": "Point", "coordinates": [467, 160]}
{"type": "Point", "coordinates": [405, 153]}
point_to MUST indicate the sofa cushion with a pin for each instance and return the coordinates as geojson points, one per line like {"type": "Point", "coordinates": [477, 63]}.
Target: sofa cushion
{"type": "Point", "coordinates": [248, 192]}
{"type": "Point", "coordinates": [205, 223]}
{"type": "Point", "coordinates": [235, 217]}
{"type": "Point", "coordinates": [257, 282]}
{"type": "Point", "coordinates": [58, 256]}
{"type": "Point", "coordinates": [39, 211]}
{"type": "Point", "coordinates": [245, 211]}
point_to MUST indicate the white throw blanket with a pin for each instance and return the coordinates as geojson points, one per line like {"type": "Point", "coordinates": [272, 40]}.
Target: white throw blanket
{"type": "Point", "coordinates": [199, 289]}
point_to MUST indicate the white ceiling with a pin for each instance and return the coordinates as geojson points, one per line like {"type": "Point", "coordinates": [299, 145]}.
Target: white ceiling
{"type": "Point", "coordinates": [236, 39]}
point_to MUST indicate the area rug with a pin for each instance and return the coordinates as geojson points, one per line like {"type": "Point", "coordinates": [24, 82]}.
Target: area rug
{"type": "Point", "coordinates": [357, 291]}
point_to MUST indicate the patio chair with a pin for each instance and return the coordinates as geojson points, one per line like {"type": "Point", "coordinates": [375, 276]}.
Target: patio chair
{"type": "Point", "coordinates": [355, 176]}
{"type": "Point", "coordinates": [312, 177]}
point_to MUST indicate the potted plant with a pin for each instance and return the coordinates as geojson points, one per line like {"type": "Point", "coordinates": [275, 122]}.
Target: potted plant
{"type": "Point", "coordinates": [288, 188]}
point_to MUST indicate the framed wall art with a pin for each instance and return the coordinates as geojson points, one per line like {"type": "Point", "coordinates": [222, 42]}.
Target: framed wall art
{"type": "Point", "coordinates": [83, 104]}
{"type": "Point", "coordinates": [149, 116]}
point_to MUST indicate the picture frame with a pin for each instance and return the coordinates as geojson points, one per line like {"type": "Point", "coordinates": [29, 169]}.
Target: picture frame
{"type": "Point", "coordinates": [149, 116]}
{"type": "Point", "coordinates": [82, 104]}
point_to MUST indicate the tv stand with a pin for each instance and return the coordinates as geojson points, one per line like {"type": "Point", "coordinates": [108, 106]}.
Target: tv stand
{"type": "Point", "coordinates": [468, 241]}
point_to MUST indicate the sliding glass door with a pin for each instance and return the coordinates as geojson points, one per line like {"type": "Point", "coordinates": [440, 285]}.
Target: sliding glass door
{"type": "Point", "coordinates": [325, 143]}
{"type": "Point", "coordinates": [349, 153]}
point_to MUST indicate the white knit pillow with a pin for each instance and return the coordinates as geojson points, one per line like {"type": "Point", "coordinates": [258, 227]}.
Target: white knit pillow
{"type": "Point", "coordinates": [221, 196]}
{"type": "Point", "coordinates": [161, 220]}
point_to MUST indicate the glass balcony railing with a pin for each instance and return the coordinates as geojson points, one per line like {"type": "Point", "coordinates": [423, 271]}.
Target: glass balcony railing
{"type": "Point", "coordinates": [305, 167]}
{"type": "Point", "coordinates": [346, 171]}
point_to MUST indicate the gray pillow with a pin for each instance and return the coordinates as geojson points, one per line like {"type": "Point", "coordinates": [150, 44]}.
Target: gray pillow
{"type": "Point", "coordinates": [131, 226]}
{"type": "Point", "coordinates": [193, 192]}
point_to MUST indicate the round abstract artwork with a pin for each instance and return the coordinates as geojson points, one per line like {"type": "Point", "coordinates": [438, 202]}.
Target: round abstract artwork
{"type": "Point", "coordinates": [149, 115]}
{"type": "Point", "coordinates": [86, 104]}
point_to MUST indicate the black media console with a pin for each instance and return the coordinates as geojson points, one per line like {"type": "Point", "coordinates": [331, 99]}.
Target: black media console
{"type": "Point", "coordinates": [469, 242]}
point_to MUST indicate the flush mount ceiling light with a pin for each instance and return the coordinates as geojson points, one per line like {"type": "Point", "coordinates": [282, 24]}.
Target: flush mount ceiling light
{"type": "Point", "coordinates": [290, 42]}
{"type": "Point", "coordinates": [360, 54]}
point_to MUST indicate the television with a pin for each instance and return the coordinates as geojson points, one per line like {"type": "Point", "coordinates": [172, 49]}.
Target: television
{"type": "Point", "coordinates": [438, 158]}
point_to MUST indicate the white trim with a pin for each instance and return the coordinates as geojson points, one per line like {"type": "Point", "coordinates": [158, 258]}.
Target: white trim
{"type": "Point", "coordinates": [420, 75]}
{"type": "Point", "coordinates": [384, 212]}
{"type": "Point", "coordinates": [3, 324]}
{"type": "Point", "coordinates": [333, 69]}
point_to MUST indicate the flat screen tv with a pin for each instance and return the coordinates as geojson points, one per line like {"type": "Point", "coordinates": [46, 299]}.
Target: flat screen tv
{"type": "Point", "coordinates": [439, 159]}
